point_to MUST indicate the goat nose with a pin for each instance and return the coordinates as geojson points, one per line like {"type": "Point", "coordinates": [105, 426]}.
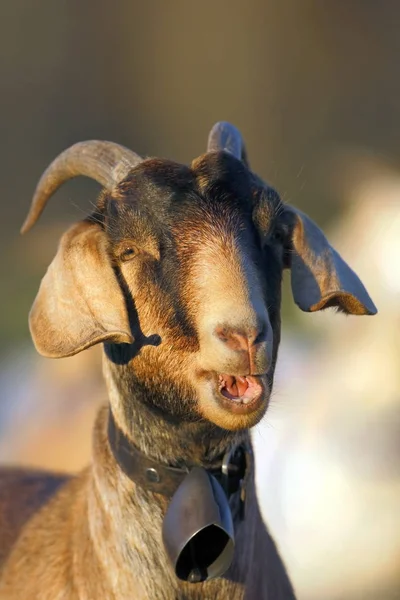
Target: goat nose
{"type": "Point", "coordinates": [238, 340]}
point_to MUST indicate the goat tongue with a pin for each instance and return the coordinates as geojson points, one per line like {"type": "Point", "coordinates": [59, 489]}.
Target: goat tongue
{"type": "Point", "coordinates": [233, 387]}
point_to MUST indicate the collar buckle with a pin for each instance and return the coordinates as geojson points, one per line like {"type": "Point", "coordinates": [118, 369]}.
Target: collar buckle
{"type": "Point", "coordinates": [234, 471]}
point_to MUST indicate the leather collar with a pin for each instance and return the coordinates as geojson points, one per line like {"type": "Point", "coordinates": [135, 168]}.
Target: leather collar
{"type": "Point", "coordinates": [231, 472]}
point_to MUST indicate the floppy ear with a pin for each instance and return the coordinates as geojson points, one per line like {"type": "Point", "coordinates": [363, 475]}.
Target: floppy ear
{"type": "Point", "coordinates": [320, 277]}
{"type": "Point", "coordinates": [80, 302]}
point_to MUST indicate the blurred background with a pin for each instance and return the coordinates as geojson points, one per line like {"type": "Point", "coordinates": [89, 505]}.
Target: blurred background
{"type": "Point", "coordinates": [315, 89]}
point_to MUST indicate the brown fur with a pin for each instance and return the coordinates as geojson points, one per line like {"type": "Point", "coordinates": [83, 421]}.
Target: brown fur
{"type": "Point", "coordinates": [21, 495]}
{"type": "Point", "coordinates": [172, 257]}
{"type": "Point", "coordinates": [91, 538]}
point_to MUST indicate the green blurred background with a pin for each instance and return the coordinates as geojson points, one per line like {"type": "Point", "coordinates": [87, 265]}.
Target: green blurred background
{"type": "Point", "coordinates": [314, 87]}
{"type": "Point", "coordinates": [298, 78]}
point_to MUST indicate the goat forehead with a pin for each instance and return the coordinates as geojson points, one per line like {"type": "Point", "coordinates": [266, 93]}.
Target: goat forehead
{"type": "Point", "coordinates": [191, 222]}
{"type": "Point", "coordinates": [171, 199]}
{"type": "Point", "coordinates": [163, 182]}
{"type": "Point", "coordinates": [216, 195]}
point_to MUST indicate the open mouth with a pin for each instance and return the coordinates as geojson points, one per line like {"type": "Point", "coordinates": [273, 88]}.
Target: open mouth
{"type": "Point", "coordinates": [239, 389]}
{"type": "Point", "coordinates": [241, 394]}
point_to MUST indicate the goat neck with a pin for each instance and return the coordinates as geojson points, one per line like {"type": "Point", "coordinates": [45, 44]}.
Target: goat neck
{"type": "Point", "coordinates": [159, 435]}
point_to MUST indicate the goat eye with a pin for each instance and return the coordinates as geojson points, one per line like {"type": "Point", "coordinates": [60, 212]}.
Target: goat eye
{"type": "Point", "coordinates": [128, 254]}
{"type": "Point", "coordinates": [278, 236]}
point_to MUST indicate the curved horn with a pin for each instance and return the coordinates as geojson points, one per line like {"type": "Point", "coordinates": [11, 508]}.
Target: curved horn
{"type": "Point", "coordinates": [106, 162]}
{"type": "Point", "coordinates": [224, 136]}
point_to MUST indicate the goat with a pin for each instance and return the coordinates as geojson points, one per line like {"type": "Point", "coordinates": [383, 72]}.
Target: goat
{"type": "Point", "coordinates": [178, 273]}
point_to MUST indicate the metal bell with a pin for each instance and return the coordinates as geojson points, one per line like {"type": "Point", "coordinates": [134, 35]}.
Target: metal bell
{"type": "Point", "coordinates": [198, 529]}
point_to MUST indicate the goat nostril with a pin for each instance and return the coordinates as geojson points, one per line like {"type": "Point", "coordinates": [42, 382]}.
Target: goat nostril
{"type": "Point", "coordinates": [222, 333]}
{"type": "Point", "coordinates": [260, 335]}
{"type": "Point", "coordinates": [241, 340]}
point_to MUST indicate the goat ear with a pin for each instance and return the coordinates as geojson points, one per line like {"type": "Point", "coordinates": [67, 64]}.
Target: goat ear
{"type": "Point", "coordinates": [320, 277]}
{"type": "Point", "coordinates": [80, 302]}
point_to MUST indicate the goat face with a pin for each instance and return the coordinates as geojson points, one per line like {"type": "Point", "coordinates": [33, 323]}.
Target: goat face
{"type": "Point", "coordinates": [179, 273]}
{"type": "Point", "coordinates": [196, 253]}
